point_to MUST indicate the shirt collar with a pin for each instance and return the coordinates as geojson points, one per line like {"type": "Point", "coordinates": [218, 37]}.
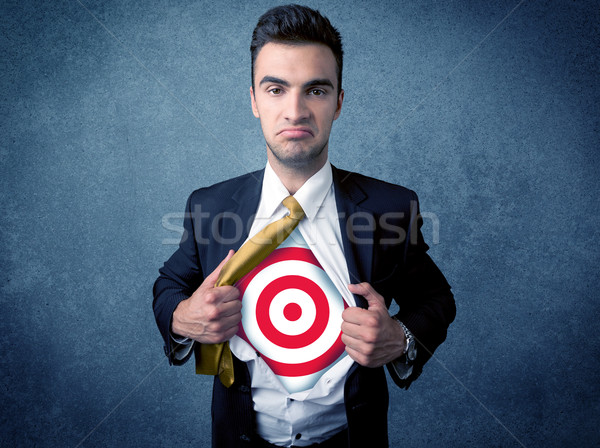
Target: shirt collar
{"type": "Point", "coordinates": [310, 196]}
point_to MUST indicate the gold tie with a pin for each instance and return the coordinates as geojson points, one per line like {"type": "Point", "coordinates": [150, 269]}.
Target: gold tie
{"type": "Point", "coordinates": [216, 359]}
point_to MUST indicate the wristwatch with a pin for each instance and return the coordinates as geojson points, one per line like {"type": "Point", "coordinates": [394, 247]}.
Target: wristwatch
{"type": "Point", "coordinates": [410, 351]}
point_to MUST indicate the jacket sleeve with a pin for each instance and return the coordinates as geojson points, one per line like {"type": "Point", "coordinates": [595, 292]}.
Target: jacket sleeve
{"type": "Point", "coordinates": [179, 277]}
{"type": "Point", "coordinates": [426, 302]}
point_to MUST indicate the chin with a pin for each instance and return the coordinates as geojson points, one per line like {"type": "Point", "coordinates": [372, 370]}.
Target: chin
{"type": "Point", "coordinates": [295, 156]}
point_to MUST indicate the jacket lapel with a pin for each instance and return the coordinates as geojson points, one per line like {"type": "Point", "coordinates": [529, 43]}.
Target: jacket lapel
{"type": "Point", "coordinates": [358, 241]}
{"type": "Point", "coordinates": [244, 203]}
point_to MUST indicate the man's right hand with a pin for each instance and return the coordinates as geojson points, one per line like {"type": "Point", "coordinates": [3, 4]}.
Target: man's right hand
{"type": "Point", "coordinates": [210, 315]}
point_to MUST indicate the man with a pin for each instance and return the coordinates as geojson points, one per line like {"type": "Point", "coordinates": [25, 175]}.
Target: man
{"type": "Point", "coordinates": [363, 237]}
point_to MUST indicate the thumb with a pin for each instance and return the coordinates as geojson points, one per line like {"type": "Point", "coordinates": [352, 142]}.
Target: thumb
{"type": "Point", "coordinates": [214, 275]}
{"type": "Point", "coordinates": [374, 299]}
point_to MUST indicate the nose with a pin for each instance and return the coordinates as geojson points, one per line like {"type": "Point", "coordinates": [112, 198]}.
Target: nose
{"type": "Point", "coordinates": [296, 109]}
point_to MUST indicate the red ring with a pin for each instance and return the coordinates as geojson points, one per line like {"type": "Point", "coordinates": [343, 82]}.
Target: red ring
{"type": "Point", "coordinates": [277, 256]}
{"type": "Point", "coordinates": [308, 367]}
{"type": "Point", "coordinates": [263, 305]}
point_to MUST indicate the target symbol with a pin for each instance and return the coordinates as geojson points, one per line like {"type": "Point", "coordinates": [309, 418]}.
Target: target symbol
{"type": "Point", "coordinates": [291, 314]}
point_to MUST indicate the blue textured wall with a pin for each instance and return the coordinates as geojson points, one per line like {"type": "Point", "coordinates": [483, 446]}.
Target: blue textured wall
{"type": "Point", "coordinates": [113, 112]}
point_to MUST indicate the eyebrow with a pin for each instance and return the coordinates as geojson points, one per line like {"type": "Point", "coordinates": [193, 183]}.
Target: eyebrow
{"type": "Point", "coordinates": [312, 83]}
{"type": "Point", "coordinates": [319, 82]}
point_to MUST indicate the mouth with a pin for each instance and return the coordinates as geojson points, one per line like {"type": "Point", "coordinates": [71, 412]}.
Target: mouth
{"type": "Point", "coordinates": [296, 133]}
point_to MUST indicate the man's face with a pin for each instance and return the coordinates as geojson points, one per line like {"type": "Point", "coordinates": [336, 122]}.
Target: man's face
{"type": "Point", "coordinates": [296, 99]}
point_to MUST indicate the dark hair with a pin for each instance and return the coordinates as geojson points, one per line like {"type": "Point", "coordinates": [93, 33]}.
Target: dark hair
{"type": "Point", "coordinates": [296, 25]}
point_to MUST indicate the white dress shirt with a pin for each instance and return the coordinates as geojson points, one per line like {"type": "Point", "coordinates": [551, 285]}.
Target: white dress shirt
{"type": "Point", "coordinates": [313, 415]}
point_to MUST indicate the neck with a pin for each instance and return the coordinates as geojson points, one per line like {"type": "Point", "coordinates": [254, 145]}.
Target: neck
{"type": "Point", "coordinates": [293, 177]}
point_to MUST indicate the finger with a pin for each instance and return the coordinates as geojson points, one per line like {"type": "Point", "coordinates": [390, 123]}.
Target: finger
{"type": "Point", "coordinates": [228, 324]}
{"type": "Point", "coordinates": [223, 323]}
{"type": "Point", "coordinates": [366, 290]}
{"type": "Point", "coordinates": [348, 341]}
{"type": "Point", "coordinates": [230, 308]}
{"type": "Point", "coordinates": [228, 293]}
{"type": "Point", "coordinates": [350, 330]}
{"type": "Point", "coordinates": [352, 353]}
{"type": "Point", "coordinates": [354, 315]}
{"type": "Point", "coordinates": [356, 355]}
{"type": "Point", "coordinates": [214, 275]}
{"type": "Point", "coordinates": [213, 296]}
{"type": "Point", "coordinates": [221, 336]}
{"type": "Point", "coordinates": [232, 332]}
{"type": "Point", "coordinates": [362, 336]}
{"type": "Point", "coordinates": [355, 344]}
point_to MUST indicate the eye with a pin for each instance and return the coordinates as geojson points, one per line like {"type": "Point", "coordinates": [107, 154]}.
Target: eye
{"type": "Point", "coordinates": [275, 91]}
{"type": "Point", "coordinates": [317, 92]}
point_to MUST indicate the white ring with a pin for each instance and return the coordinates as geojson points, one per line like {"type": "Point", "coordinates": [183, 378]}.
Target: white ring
{"type": "Point", "coordinates": [292, 327]}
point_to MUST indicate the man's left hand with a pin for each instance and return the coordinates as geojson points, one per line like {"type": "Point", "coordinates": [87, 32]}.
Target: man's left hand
{"type": "Point", "coordinates": [371, 336]}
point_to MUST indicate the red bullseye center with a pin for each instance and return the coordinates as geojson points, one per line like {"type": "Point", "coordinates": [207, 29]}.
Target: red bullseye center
{"type": "Point", "coordinates": [292, 311]}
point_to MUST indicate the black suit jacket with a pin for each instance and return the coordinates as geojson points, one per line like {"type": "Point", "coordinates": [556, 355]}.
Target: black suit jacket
{"type": "Point", "coordinates": [383, 245]}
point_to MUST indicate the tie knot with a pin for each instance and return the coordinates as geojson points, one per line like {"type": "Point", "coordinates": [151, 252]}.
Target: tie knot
{"type": "Point", "coordinates": [294, 207]}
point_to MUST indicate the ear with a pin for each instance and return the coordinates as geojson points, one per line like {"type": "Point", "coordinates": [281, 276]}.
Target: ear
{"type": "Point", "coordinates": [339, 105]}
{"type": "Point", "coordinates": [253, 101]}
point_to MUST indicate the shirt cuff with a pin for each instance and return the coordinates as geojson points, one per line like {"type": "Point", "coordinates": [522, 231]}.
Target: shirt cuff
{"type": "Point", "coordinates": [182, 347]}
{"type": "Point", "coordinates": [402, 370]}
